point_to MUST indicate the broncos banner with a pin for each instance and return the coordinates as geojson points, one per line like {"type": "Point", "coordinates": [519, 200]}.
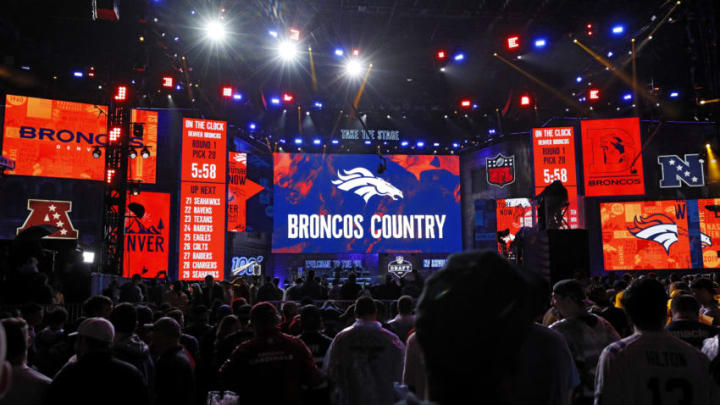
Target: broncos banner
{"type": "Point", "coordinates": [147, 238]}
{"type": "Point", "coordinates": [53, 138]}
{"type": "Point", "coordinates": [654, 234]}
{"type": "Point", "coordinates": [348, 203]}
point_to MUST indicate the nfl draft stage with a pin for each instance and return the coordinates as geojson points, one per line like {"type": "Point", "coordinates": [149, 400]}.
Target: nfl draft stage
{"type": "Point", "coordinates": [610, 194]}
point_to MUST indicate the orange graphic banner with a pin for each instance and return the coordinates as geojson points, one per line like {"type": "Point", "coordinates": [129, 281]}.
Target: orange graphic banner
{"type": "Point", "coordinates": [147, 238]}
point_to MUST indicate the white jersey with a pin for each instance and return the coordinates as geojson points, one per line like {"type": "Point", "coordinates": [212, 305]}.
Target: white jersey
{"type": "Point", "coordinates": [654, 368]}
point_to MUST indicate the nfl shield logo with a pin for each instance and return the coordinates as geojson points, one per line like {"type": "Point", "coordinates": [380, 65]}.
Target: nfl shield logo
{"type": "Point", "coordinates": [500, 170]}
{"type": "Point", "coordinates": [400, 267]}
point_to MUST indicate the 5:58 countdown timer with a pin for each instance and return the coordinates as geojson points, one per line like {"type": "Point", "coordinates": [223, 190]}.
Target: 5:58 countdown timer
{"type": "Point", "coordinates": [556, 174]}
{"type": "Point", "coordinates": [203, 171]}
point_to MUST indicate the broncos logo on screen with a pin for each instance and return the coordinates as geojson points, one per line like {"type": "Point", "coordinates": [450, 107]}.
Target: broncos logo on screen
{"type": "Point", "coordinates": [661, 229]}
{"type": "Point", "coordinates": [363, 183]}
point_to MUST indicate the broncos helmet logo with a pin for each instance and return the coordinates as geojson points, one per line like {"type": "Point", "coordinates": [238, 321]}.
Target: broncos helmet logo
{"type": "Point", "coordinates": [363, 183]}
{"type": "Point", "coordinates": [661, 229]}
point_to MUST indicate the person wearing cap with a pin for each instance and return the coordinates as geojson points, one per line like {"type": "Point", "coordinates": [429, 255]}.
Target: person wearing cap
{"type": "Point", "coordinates": [174, 374]}
{"type": "Point", "coordinates": [704, 291]}
{"type": "Point", "coordinates": [271, 367]}
{"type": "Point", "coordinates": [652, 366]}
{"type": "Point", "coordinates": [311, 322]}
{"type": "Point", "coordinates": [506, 358]}
{"type": "Point", "coordinates": [365, 359]}
{"type": "Point", "coordinates": [28, 385]}
{"type": "Point", "coordinates": [586, 334]}
{"type": "Point", "coordinates": [127, 345]}
{"type": "Point", "coordinates": [97, 377]}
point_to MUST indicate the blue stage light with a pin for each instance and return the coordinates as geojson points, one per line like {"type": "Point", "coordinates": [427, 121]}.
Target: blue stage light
{"type": "Point", "coordinates": [252, 126]}
{"type": "Point", "coordinates": [674, 94]}
{"type": "Point", "coordinates": [491, 131]}
{"type": "Point", "coordinates": [316, 141]}
{"type": "Point", "coordinates": [627, 96]}
{"type": "Point", "coordinates": [335, 141]}
{"type": "Point", "coordinates": [404, 143]}
{"type": "Point", "coordinates": [436, 144]}
{"type": "Point", "coordinates": [459, 57]}
{"type": "Point", "coordinates": [368, 142]}
{"type": "Point", "coordinates": [275, 100]}
{"type": "Point", "coordinates": [618, 29]}
{"type": "Point", "coordinates": [540, 43]}
{"type": "Point", "coordinates": [237, 96]}
{"type": "Point", "coordinates": [78, 73]}
{"type": "Point", "coordinates": [420, 144]}
{"type": "Point", "coordinates": [579, 79]}
{"type": "Point", "coordinates": [298, 141]}
{"type": "Point", "coordinates": [273, 33]}
{"type": "Point", "coordinates": [318, 105]}
{"type": "Point", "coordinates": [455, 145]}
{"type": "Point", "coordinates": [339, 52]}
{"type": "Point", "coordinates": [610, 54]}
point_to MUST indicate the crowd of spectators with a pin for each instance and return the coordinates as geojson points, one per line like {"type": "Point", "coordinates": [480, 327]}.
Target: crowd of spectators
{"type": "Point", "coordinates": [480, 332]}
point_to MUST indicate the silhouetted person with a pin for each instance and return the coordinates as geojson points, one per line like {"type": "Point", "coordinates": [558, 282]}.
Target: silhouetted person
{"type": "Point", "coordinates": [174, 374]}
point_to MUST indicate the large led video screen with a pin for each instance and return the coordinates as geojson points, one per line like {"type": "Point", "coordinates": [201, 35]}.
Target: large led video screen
{"type": "Point", "coordinates": [54, 138]}
{"type": "Point", "coordinates": [147, 238]}
{"type": "Point", "coordinates": [646, 235]}
{"type": "Point", "coordinates": [362, 204]}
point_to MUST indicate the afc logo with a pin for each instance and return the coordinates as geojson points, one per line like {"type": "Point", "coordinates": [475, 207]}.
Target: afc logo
{"type": "Point", "coordinates": [676, 171]}
{"type": "Point", "coordinates": [54, 213]}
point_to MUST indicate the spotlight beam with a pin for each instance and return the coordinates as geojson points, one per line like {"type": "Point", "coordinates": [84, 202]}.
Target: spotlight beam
{"type": "Point", "coordinates": [360, 91]}
{"type": "Point", "coordinates": [312, 70]}
{"type": "Point", "coordinates": [556, 93]}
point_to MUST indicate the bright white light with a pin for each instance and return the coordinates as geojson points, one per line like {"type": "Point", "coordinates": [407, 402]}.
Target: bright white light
{"type": "Point", "coordinates": [88, 257]}
{"type": "Point", "coordinates": [353, 68]}
{"type": "Point", "coordinates": [215, 31]}
{"type": "Point", "coordinates": [287, 51]}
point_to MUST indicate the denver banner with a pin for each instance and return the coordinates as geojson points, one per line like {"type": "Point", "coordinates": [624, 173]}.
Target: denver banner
{"type": "Point", "coordinates": [147, 238]}
{"type": "Point", "coordinates": [612, 157]}
{"type": "Point", "coordinates": [54, 138]}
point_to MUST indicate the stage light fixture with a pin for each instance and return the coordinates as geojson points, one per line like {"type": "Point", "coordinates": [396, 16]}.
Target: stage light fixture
{"type": "Point", "coordinates": [145, 152]}
{"type": "Point", "coordinates": [442, 69]}
{"type": "Point", "coordinates": [404, 143]}
{"type": "Point", "coordinates": [316, 141]}
{"type": "Point", "coordinates": [578, 79]}
{"type": "Point", "coordinates": [252, 126]}
{"type": "Point", "coordinates": [525, 100]}
{"type": "Point", "coordinates": [540, 43]}
{"type": "Point", "coordinates": [167, 81]}
{"type": "Point", "coordinates": [298, 141]}
{"type": "Point", "coordinates": [78, 74]}
{"type": "Point", "coordinates": [610, 54]}
{"type": "Point", "coordinates": [318, 105]}
{"type": "Point", "coordinates": [339, 52]}
{"type": "Point", "coordinates": [368, 142]}
{"type": "Point", "coordinates": [355, 52]}
{"type": "Point", "coordinates": [88, 256]}
{"type": "Point", "coordinates": [227, 91]}
{"type": "Point", "coordinates": [455, 145]}
{"type": "Point", "coordinates": [513, 42]}
{"type": "Point", "coordinates": [674, 94]}
{"type": "Point", "coordinates": [594, 94]}
{"type": "Point", "coordinates": [288, 98]}
{"type": "Point", "coordinates": [237, 97]}
{"type": "Point", "coordinates": [459, 57]}
{"type": "Point", "coordinates": [114, 134]}
{"type": "Point", "coordinates": [215, 31]}
{"type": "Point", "coordinates": [294, 34]}
{"type": "Point", "coordinates": [618, 29]}
{"type": "Point", "coordinates": [287, 51]}
{"type": "Point", "coordinates": [465, 103]}
{"type": "Point", "coordinates": [273, 33]}
{"type": "Point", "coordinates": [121, 93]}
{"type": "Point", "coordinates": [335, 141]}
{"type": "Point", "coordinates": [627, 96]}
{"type": "Point", "coordinates": [97, 153]}
{"type": "Point", "coordinates": [420, 144]}
{"type": "Point", "coordinates": [353, 68]}
{"type": "Point", "coordinates": [441, 55]}
{"type": "Point", "coordinates": [133, 153]}
{"type": "Point", "coordinates": [491, 131]}
{"type": "Point", "coordinates": [275, 100]}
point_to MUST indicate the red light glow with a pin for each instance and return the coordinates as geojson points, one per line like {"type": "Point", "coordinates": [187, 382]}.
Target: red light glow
{"type": "Point", "coordinates": [121, 93]}
{"type": "Point", "coordinates": [594, 94]}
{"type": "Point", "coordinates": [294, 34]}
{"type": "Point", "coordinates": [356, 52]}
{"type": "Point", "coordinates": [513, 42]}
{"type": "Point", "coordinates": [115, 134]}
{"type": "Point", "coordinates": [288, 98]}
{"type": "Point", "coordinates": [109, 175]}
{"type": "Point", "coordinates": [465, 103]}
{"type": "Point", "coordinates": [167, 81]}
{"type": "Point", "coordinates": [441, 55]}
{"type": "Point", "coordinates": [525, 100]}
{"type": "Point", "coordinates": [227, 91]}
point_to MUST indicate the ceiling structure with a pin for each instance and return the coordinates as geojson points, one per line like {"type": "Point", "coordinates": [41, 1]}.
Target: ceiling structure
{"type": "Point", "coordinates": [676, 52]}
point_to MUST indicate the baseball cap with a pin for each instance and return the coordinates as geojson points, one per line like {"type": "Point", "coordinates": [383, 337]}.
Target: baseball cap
{"type": "Point", "coordinates": [96, 328]}
{"type": "Point", "coordinates": [703, 284]}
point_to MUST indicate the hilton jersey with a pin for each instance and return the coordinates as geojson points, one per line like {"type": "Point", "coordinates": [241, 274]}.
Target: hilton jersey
{"type": "Point", "coordinates": [653, 368]}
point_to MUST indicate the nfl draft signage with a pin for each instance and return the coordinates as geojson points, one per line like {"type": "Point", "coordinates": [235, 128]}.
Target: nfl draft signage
{"type": "Point", "coordinates": [147, 238]}
{"type": "Point", "coordinates": [54, 213]}
{"type": "Point", "coordinates": [612, 157]}
{"type": "Point", "coordinates": [676, 171]}
{"type": "Point", "coordinates": [399, 267]}
{"type": "Point", "coordinates": [554, 158]}
{"type": "Point", "coordinates": [202, 199]}
{"type": "Point", "coordinates": [240, 189]}
{"type": "Point", "coordinates": [500, 170]}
